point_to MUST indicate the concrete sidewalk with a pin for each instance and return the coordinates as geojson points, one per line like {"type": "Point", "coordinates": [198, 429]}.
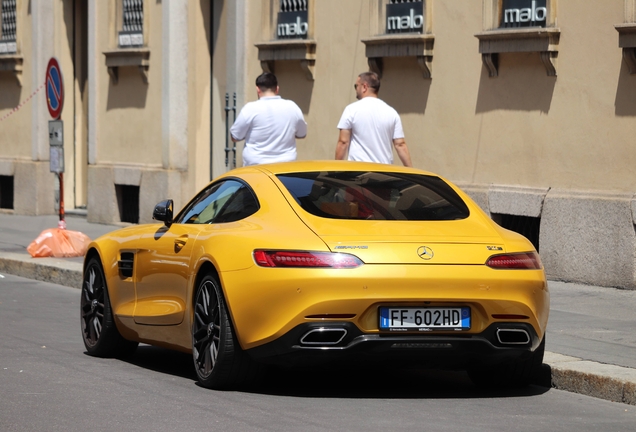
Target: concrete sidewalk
{"type": "Point", "coordinates": [590, 343]}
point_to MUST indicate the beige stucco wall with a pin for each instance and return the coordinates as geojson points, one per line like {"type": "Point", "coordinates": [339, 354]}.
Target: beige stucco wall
{"type": "Point", "coordinates": [24, 138]}
{"type": "Point", "coordinates": [569, 131]}
{"type": "Point", "coordinates": [523, 143]}
{"type": "Point", "coordinates": [520, 128]}
{"type": "Point", "coordinates": [15, 139]}
{"type": "Point", "coordinates": [23, 113]}
{"type": "Point", "coordinates": [63, 48]}
{"type": "Point", "coordinates": [339, 58]}
{"type": "Point", "coordinates": [129, 112]}
{"type": "Point", "coordinates": [139, 141]}
{"type": "Point", "coordinates": [219, 85]}
{"type": "Point", "coordinates": [199, 124]}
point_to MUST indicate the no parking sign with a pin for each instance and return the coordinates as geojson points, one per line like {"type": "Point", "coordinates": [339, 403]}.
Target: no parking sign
{"type": "Point", "coordinates": [54, 88]}
{"type": "Point", "coordinates": [54, 102]}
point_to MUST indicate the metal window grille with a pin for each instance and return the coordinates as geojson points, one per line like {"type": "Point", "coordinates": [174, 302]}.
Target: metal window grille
{"type": "Point", "coordinates": [133, 15]}
{"type": "Point", "coordinates": [6, 192]}
{"type": "Point", "coordinates": [293, 5]}
{"type": "Point", "coordinates": [525, 225]}
{"type": "Point", "coordinates": [404, 1]}
{"type": "Point", "coordinates": [9, 20]}
{"type": "Point", "coordinates": [128, 202]}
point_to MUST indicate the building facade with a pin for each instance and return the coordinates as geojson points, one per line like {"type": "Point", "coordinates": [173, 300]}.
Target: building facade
{"type": "Point", "coordinates": [529, 105]}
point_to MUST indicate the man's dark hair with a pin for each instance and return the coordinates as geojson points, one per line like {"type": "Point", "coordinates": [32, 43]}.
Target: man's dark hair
{"type": "Point", "coordinates": [267, 81]}
{"type": "Point", "coordinates": [371, 79]}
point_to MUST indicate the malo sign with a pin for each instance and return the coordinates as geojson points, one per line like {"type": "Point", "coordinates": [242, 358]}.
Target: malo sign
{"type": "Point", "coordinates": [523, 13]}
{"type": "Point", "coordinates": [405, 17]}
{"type": "Point", "coordinates": [292, 25]}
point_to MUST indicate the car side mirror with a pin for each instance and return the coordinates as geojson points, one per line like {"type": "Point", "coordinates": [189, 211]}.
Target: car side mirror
{"type": "Point", "coordinates": [163, 212]}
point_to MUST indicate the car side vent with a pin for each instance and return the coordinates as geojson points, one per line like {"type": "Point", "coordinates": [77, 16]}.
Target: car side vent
{"type": "Point", "coordinates": [525, 225]}
{"type": "Point", "coordinates": [126, 264]}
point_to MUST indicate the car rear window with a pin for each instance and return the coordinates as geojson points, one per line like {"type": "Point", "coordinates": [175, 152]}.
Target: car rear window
{"type": "Point", "coordinates": [375, 195]}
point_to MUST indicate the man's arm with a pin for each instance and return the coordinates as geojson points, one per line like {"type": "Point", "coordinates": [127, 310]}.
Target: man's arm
{"type": "Point", "coordinates": [301, 129]}
{"type": "Point", "coordinates": [238, 131]}
{"type": "Point", "coordinates": [301, 125]}
{"type": "Point", "coordinates": [403, 151]}
{"type": "Point", "coordinates": [344, 139]}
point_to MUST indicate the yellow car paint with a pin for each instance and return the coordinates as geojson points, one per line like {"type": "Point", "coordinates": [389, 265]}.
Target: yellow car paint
{"type": "Point", "coordinates": [154, 305]}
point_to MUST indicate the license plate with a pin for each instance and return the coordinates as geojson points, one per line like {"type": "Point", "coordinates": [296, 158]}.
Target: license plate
{"type": "Point", "coordinates": [424, 319]}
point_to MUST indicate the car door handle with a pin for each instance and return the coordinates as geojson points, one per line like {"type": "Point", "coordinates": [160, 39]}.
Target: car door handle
{"type": "Point", "coordinates": [180, 242]}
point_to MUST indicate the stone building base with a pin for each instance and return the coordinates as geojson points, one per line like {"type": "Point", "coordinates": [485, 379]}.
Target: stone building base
{"type": "Point", "coordinates": [585, 237]}
{"type": "Point", "coordinates": [154, 185]}
{"type": "Point", "coordinates": [34, 186]}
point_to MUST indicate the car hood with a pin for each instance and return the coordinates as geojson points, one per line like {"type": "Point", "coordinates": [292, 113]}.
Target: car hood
{"type": "Point", "coordinates": [469, 241]}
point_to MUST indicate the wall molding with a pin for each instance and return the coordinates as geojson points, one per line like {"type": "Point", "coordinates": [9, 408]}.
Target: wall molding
{"type": "Point", "coordinates": [627, 36]}
{"type": "Point", "coordinates": [12, 63]}
{"type": "Point", "coordinates": [417, 45]}
{"type": "Point", "coordinates": [495, 40]}
{"type": "Point", "coordinates": [533, 39]}
{"type": "Point", "coordinates": [302, 50]}
{"type": "Point", "coordinates": [139, 58]}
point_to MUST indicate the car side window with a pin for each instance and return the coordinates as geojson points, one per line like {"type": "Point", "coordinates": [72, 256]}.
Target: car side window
{"type": "Point", "coordinates": [226, 201]}
{"type": "Point", "coordinates": [240, 205]}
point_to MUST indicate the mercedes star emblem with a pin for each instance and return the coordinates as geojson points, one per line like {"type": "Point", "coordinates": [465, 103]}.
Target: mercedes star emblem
{"type": "Point", "coordinates": [425, 252]}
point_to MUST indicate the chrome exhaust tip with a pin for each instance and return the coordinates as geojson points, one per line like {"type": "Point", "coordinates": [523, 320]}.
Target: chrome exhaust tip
{"type": "Point", "coordinates": [323, 336]}
{"type": "Point", "coordinates": [513, 337]}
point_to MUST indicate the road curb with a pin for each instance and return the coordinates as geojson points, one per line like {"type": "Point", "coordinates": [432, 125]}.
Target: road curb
{"type": "Point", "coordinates": [53, 270]}
{"type": "Point", "coordinates": [603, 381]}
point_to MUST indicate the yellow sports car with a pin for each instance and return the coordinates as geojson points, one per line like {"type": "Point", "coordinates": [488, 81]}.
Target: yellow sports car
{"type": "Point", "coordinates": [321, 261]}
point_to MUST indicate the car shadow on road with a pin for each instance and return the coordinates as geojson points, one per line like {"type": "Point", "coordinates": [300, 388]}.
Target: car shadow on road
{"type": "Point", "coordinates": [379, 383]}
{"type": "Point", "coordinates": [345, 382]}
{"type": "Point", "coordinates": [357, 382]}
{"type": "Point", "coordinates": [163, 360]}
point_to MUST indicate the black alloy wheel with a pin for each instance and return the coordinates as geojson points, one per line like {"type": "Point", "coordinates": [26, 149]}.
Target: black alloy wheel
{"type": "Point", "coordinates": [219, 361]}
{"type": "Point", "coordinates": [99, 332]}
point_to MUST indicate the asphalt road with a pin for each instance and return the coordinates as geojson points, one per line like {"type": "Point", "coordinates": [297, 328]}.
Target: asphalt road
{"type": "Point", "coordinates": [47, 382]}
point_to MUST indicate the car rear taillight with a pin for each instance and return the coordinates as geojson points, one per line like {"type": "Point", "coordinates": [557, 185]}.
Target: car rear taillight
{"type": "Point", "coordinates": [527, 261]}
{"type": "Point", "coordinates": [269, 258]}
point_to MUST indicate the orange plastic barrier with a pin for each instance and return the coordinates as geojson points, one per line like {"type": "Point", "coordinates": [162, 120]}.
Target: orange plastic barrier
{"type": "Point", "coordinates": [59, 243]}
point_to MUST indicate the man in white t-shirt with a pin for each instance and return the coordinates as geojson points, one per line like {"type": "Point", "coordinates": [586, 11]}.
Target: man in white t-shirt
{"type": "Point", "coordinates": [269, 125]}
{"type": "Point", "coordinates": [369, 127]}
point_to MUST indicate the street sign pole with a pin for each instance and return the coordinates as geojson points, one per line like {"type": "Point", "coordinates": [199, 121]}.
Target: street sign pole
{"type": "Point", "coordinates": [61, 223]}
{"type": "Point", "coordinates": [55, 102]}
{"type": "Point", "coordinates": [56, 160]}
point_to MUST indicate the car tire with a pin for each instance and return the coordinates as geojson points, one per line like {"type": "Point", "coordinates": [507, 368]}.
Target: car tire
{"type": "Point", "coordinates": [219, 361]}
{"type": "Point", "coordinates": [99, 331]}
{"type": "Point", "coordinates": [513, 374]}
